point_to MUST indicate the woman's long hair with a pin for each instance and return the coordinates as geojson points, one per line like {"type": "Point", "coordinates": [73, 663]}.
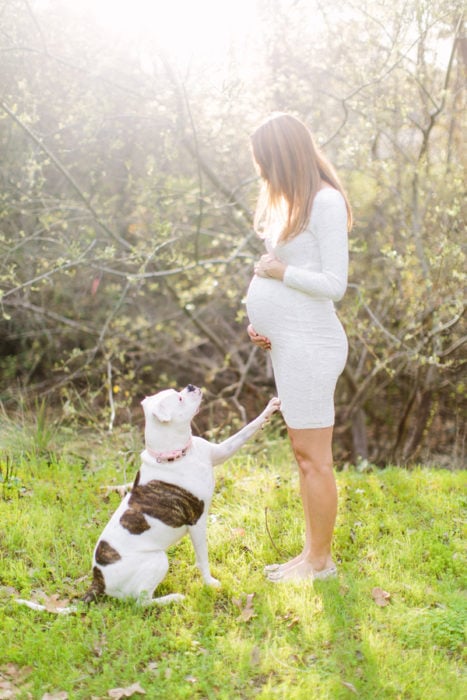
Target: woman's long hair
{"type": "Point", "coordinates": [292, 169]}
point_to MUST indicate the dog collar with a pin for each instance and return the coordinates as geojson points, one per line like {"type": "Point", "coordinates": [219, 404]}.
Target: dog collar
{"type": "Point", "coordinates": [171, 456]}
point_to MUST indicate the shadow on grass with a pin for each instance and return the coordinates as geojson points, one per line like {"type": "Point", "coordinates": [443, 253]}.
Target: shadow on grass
{"type": "Point", "coordinates": [350, 651]}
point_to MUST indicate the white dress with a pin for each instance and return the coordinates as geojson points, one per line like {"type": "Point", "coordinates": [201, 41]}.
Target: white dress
{"type": "Point", "coordinates": [308, 343]}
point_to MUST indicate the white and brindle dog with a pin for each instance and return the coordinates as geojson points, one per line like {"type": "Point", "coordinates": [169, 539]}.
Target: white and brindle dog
{"type": "Point", "coordinates": [170, 497]}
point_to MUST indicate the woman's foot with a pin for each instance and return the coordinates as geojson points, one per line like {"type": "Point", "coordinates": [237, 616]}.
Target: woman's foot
{"type": "Point", "coordinates": [302, 570]}
{"type": "Point", "coordinates": [269, 568]}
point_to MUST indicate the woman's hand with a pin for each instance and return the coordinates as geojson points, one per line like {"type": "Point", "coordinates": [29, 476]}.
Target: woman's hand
{"type": "Point", "coordinates": [259, 340]}
{"type": "Point", "coordinates": [269, 266]}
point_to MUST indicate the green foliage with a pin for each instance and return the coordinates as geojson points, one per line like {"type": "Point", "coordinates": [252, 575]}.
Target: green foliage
{"type": "Point", "coordinates": [398, 530]}
{"type": "Point", "coordinates": [10, 483]}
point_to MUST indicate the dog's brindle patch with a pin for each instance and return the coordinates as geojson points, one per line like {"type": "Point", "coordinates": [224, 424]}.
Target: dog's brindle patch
{"type": "Point", "coordinates": [134, 521]}
{"type": "Point", "coordinates": [106, 554]}
{"type": "Point", "coordinates": [97, 588]}
{"type": "Point", "coordinates": [173, 505]}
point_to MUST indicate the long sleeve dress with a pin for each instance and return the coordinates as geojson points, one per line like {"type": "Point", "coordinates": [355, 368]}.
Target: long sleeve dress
{"type": "Point", "coordinates": [308, 343]}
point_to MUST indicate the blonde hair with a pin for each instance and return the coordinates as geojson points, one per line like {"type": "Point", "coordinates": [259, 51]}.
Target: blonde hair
{"type": "Point", "coordinates": [292, 169]}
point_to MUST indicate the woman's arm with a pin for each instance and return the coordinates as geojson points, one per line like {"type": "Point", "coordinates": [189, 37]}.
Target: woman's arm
{"type": "Point", "coordinates": [331, 230]}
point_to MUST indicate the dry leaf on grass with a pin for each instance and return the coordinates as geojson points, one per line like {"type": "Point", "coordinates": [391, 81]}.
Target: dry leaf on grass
{"type": "Point", "coordinates": [8, 590]}
{"type": "Point", "coordinates": [291, 620]}
{"type": "Point", "coordinates": [53, 603]}
{"type": "Point", "coordinates": [350, 686]}
{"type": "Point", "coordinates": [61, 695]}
{"type": "Point", "coordinates": [255, 656]}
{"type": "Point", "coordinates": [380, 597]}
{"type": "Point", "coordinates": [238, 532]}
{"type": "Point", "coordinates": [12, 679]}
{"type": "Point", "coordinates": [247, 612]}
{"type": "Point", "coordinates": [118, 693]}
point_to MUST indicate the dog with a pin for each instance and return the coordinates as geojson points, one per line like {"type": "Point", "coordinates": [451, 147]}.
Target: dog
{"type": "Point", "coordinates": [170, 497]}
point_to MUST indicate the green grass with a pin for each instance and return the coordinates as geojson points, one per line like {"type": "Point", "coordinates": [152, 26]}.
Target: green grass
{"type": "Point", "coordinates": [399, 530]}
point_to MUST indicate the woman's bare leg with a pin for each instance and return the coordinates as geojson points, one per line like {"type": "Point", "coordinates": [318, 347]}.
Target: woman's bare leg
{"type": "Point", "coordinates": [313, 452]}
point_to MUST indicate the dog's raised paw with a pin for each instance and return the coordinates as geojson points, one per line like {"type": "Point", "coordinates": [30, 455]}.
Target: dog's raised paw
{"type": "Point", "coordinates": [273, 405]}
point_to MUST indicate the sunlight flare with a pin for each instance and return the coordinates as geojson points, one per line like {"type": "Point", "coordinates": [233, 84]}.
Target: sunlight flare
{"type": "Point", "coordinates": [182, 28]}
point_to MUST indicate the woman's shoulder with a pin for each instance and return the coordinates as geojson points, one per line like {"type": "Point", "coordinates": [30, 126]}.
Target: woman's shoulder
{"type": "Point", "coordinates": [328, 194]}
{"type": "Point", "coordinates": [327, 198]}
{"type": "Point", "coordinates": [329, 210]}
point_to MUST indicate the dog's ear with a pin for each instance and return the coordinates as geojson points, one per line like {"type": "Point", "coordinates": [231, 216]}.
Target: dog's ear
{"type": "Point", "coordinates": [161, 412]}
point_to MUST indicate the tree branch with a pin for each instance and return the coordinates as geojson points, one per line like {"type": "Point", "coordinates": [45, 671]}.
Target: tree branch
{"type": "Point", "coordinates": [70, 179]}
{"type": "Point", "coordinates": [45, 275]}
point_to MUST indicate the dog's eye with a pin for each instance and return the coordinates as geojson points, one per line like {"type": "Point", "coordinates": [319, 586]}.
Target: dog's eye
{"type": "Point", "coordinates": [180, 398]}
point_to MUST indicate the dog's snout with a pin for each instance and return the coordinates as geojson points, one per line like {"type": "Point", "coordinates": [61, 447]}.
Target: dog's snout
{"type": "Point", "coordinates": [190, 387]}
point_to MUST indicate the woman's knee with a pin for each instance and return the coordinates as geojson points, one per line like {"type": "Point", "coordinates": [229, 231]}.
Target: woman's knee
{"type": "Point", "coordinates": [314, 464]}
{"type": "Point", "coordinates": [313, 450]}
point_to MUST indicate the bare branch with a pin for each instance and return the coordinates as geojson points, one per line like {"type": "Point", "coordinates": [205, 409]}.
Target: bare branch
{"type": "Point", "coordinates": [65, 174]}
{"type": "Point", "coordinates": [50, 273]}
{"type": "Point", "coordinates": [40, 310]}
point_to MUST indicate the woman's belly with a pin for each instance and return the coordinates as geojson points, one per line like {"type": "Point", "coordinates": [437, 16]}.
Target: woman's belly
{"type": "Point", "coordinates": [278, 311]}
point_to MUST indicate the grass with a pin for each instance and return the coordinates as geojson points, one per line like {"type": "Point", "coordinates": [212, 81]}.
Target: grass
{"type": "Point", "coordinates": [398, 530]}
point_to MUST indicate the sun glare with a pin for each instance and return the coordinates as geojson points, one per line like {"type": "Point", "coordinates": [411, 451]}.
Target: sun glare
{"type": "Point", "coordinates": [182, 28]}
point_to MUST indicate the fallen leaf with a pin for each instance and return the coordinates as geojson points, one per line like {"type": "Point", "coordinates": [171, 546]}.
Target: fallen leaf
{"type": "Point", "coordinates": [118, 693]}
{"type": "Point", "coordinates": [290, 619]}
{"type": "Point", "coordinates": [247, 612]}
{"type": "Point", "coordinates": [53, 603]}
{"type": "Point", "coordinates": [12, 679]}
{"type": "Point", "coordinates": [7, 690]}
{"type": "Point", "coordinates": [380, 597]}
{"type": "Point", "coordinates": [16, 672]}
{"type": "Point", "coordinates": [191, 679]}
{"type": "Point", "coordinates": [8, 590]}
{"type": "Point", "coordinates": [238, 532]}
{"type": "Point", "coordinates": [350, 686]}
{"type": "Point", "coordinates": [255, 656]}
{"type": "Point", "coordinates": [61, 695]}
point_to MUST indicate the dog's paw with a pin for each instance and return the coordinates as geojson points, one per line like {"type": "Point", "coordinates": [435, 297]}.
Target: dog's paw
{"type": "Point", "coordinates": [211, 581]}
{"type": "Point", "coordinates": [163, 600]}
{"type": "Point", "coordinates": [273, 406]}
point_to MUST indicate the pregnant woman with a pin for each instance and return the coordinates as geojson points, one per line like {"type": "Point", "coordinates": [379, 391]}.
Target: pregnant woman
{"type": "Point", "coordinates": [304, 217]}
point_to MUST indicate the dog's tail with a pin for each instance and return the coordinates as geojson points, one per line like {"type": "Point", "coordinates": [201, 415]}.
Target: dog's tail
{"type": "Point", "coordinates": [95, 591]}
{"type": "Point", "coordinates": [54, 609]}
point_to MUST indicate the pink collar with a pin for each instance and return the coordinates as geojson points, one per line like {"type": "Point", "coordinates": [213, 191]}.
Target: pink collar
{"type": "Point", "coordinates": [169, 456]}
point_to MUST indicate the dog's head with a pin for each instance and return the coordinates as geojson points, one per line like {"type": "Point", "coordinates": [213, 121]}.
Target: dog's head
{"type": "Point", "coordinates": [170, 406]}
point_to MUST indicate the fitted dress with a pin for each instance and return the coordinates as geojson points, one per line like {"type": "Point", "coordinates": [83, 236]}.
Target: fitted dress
{"type": "Point", "coordinates": [308, 343]}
